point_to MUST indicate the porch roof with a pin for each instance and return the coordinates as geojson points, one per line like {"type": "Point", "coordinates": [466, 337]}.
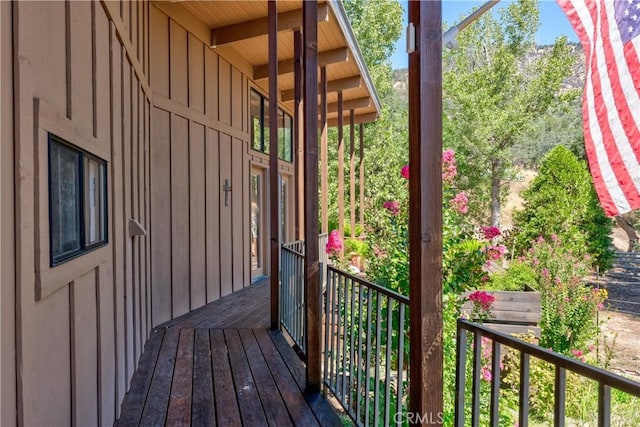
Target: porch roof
{"type": "Point", "coordinates": [237, 30]}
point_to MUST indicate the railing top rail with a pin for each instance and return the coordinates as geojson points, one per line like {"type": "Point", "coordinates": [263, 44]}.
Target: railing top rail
{"type": "Point", "coordinates": [592, 372]}
{"type": "Point", "coordinates": [388, 292]}
{"type": "Point", "coordinates": [289, 247]}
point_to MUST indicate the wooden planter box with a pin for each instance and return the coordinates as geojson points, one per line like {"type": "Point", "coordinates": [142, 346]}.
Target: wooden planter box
{"type": "Point", "coordinates": [515, 312]}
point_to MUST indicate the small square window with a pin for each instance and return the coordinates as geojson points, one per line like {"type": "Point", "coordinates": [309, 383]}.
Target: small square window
{"type": "Point", "coordinates": [77, 201]}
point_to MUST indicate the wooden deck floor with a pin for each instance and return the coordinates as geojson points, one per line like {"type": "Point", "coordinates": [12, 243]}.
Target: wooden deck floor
{"type": "Point", "coordinates": [220, 365]}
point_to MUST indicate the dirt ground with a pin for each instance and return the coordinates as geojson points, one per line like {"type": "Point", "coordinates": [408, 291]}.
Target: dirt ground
{"type": "Point", "coordinates": [621, 334]}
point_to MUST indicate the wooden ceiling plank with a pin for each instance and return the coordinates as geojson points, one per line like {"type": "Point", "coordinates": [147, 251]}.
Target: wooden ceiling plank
{"type": "Point", "coordinates": [258, 27]}
{"type": "Point", "coordinates": [351, 104]}
{"type": "Point", "coordinates": [332, 86]}
{"type": "Point", "coordinates": [362, 118]}
{"type": "Point", "coordinates": [286, 66]}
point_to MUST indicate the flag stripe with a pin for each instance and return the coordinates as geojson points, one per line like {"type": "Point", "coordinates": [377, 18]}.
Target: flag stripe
{"type": "Point", "coordinates": [608, 190]}
{"type": "Point", "coordinates": [614, 112]}
{"type": "Point", "coordinates": [611, 100]}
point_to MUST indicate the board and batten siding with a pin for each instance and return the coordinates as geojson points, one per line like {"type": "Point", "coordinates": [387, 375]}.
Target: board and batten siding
{"type": "Point", "coordinates": [199, 141]}
{"type": "Point", "coordinates": [80, 73]}
{"type": "Point", "coordinates": [131, 85]}
{"type": "Point", "coordinates": [7, 245]}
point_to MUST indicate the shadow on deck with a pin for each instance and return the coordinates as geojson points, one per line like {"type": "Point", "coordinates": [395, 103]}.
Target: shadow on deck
{"type": "Point", "coordinates": [220, 365]}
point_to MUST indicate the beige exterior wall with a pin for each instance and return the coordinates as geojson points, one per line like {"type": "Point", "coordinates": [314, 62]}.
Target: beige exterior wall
{"type": "Point", "coordinates": [200, 138]}
{"type": "Point", "coordinates": [81, 326]}
{"type": "Point", "coordinates": [7, 252]}
{"type": "Point", "coordinates": [137, 86]}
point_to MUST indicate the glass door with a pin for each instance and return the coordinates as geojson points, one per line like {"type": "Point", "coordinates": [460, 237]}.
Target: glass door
{"type": "Point", "coordinates": [257, 222]}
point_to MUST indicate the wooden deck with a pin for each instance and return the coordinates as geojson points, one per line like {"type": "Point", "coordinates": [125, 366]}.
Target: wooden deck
{"type": "Point", "coordinates": [220, 365]}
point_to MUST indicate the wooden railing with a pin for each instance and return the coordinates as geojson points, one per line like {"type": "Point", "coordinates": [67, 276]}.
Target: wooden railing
{"type": "Point", "coordinates": [365, 346]}
{"type": "Point", "coordinates": [292, 308]}
{"type": "Point", "coordinates": [605, 380]}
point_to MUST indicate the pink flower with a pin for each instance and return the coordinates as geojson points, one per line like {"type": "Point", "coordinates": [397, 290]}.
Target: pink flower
{"type": "Point", "coordinates": [482, 298]}
{"type": "Point", "coordinates": [405, 172]}
{"type": "Point", "coordinates": [494, 252]}
{"type": "Point", "coordinates": [459, 203]}
{"type": "Point", "coordinates": [449, 169]}
{"type": "Point", "coordinates": [576, 353]}
{"type": "Point", "coordinates": [392, 206]}
{"type": "Point", "coordinates": [486, 374]}
{"type": "Point", "coordinates": [334, 243]}
{"type": "Point", "coordinates": [490, 232]}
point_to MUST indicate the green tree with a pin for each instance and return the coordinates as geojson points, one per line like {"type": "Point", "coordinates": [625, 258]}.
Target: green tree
{"type": "Point", "coordinates": [494, 88]}
{"type": "Point", "coordinates": [561, 201]}
{"type": "Point", "coordinates": [561, 124]}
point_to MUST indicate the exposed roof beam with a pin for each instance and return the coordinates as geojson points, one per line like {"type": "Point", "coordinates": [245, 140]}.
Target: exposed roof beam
{"type": "Point", "coordinates": [286, 66]}
{"type": "Point", "coordinates": [258, 27]}
{"type": "Point", "coordinates": [351, 104]}
{"type": "Point", "coordinates": [332, 86]}
{"type": "Point", "coordinates": [362, 118]}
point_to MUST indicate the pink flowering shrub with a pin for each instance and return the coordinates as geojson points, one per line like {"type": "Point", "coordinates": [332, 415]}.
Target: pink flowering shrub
{"type": "Point", "coordinates": [490, 233]}
{"type": "Point", "coordinates": [392, 206]}
{"type": "Point", "coordinates": [460, 203]}
{"type": "Point", "coordinates": [569, 306]}
{"type": "Point", "coordinates": [334, 244]}
{"type": "Point", "coordinates": [449, 168]}
{"type": "Point", "coordinates": [405, 172]}
{"type": "Point", "coordinates": [482, 302]}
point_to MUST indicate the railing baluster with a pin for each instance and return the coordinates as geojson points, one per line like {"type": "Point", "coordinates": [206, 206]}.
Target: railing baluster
{"type": "Point", "coordinates": [461, 363]}
{"type": "Point", "coordinates": [376, 393]}
{"type": "Point", "coordinates": [475, 394]}
{"type": "Point", "coordinates": [524, 390]}
{"type": "Point", "coordinates": [352, 336]}
{"type": "Point", "coordinates": [559, 399]}
{"type": "Point", "coordinates": [368, 359]}
{"type": "Point", "coordinates": [335, 327]}
{"type": "Point", "coordinates": [495, 383]}
{"type": "Point", "coordinates": [387, 377]}
{"type": "Point", "coordinates": [359, 394]}
{"type": "Point", "coordinates": [604, 405]}
{"type": "Point", "coordinates": [327, 311]}
{"type": "Point", "coordinates": [345, 327]}
{"type": "Point", "coordinates": [400, 364]}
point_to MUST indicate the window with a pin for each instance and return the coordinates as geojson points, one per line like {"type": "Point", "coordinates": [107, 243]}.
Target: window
{"type": "Point", "coordinates": [260, 128]}
{"type": "Point", "coordinates": [77, 201]}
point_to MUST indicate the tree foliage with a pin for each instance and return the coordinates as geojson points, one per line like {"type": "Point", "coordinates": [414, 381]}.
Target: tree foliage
{"type": "Point", "coordinates": [494, 89]}
{"type": "Point", "coordinates": [561, 201]}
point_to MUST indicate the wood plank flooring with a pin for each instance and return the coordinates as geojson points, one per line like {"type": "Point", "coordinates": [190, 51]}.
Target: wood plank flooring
{"type": "Point", "coordinates": [221, 366]}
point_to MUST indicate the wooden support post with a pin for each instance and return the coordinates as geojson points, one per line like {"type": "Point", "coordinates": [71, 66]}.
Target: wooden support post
{"type": "Point", "coordinates": [361, 168]}
{"type": "Point", "coordinates": [313, 292]}
{"type": "Point", "coordinates": [340, 166]}
{"type": "Point", "coordinates": [352, 173]}
{"type": "Point", "coordinates": [324, 182]}
{"type": "Point", "coordinates": [425, 210]}
{"type": "Point", "coordinates": [274, 193]}
{"type": "Point", "coordinates": [298, 78]}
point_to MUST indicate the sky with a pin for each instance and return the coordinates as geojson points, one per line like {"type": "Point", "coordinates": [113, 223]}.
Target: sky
{"type": "Point", "coordinates": [553, 23]}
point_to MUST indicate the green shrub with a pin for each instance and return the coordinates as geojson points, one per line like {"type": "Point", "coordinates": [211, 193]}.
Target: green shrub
{"type": "Point", "coordinates": [356, 246]}
{"type": "Point", "coordinates": [561, 201]}
{"type": "Point", "coordinates": [516, 278]}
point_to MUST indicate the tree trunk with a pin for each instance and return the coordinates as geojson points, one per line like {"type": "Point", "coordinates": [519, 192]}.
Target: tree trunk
{"type": "Point", "coordinates": [627, 226]}
{"type": "Point", "coordinates": [496, 180]}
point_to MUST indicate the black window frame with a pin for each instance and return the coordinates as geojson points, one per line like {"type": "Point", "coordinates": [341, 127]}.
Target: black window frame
{"type": "Point", "coordinates": [262, 144]}
{"type": "Point", "coordinates": [82, 157]}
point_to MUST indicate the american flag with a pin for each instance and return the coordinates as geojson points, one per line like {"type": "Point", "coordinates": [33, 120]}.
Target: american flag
{"type": "Point", "coordinates": [609, 33]}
